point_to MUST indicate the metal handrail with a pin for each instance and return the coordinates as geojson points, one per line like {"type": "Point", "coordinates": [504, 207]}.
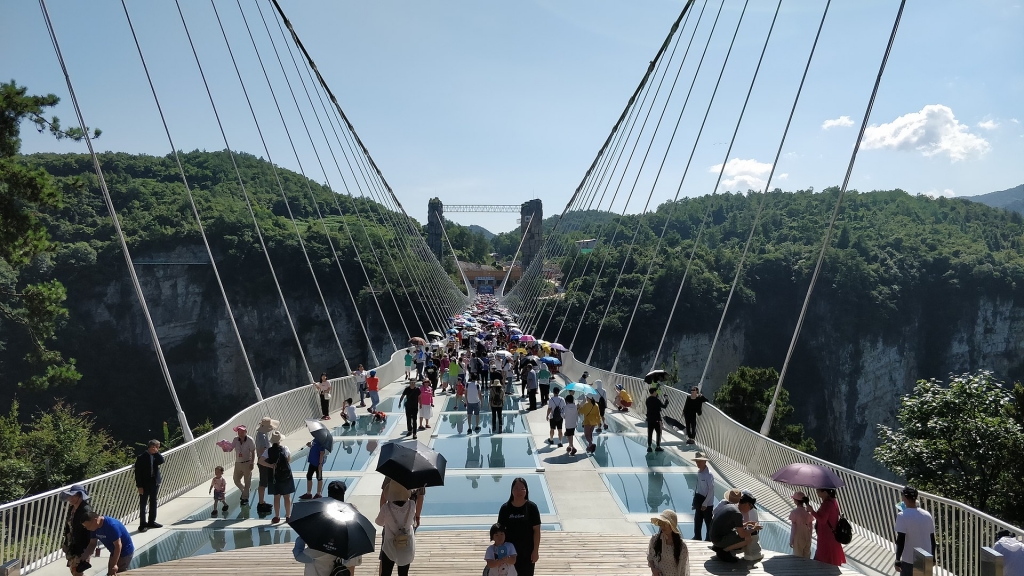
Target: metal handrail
{"type": "Point", "coordinates": [31, 529]}
{"type": "Point", "coordinates": [868, 502]}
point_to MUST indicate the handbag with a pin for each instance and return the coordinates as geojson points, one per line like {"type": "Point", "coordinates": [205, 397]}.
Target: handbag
{"type": "Point", "coordinates": [339, 568]}
{"type": "Point", "coordinates": [698, 501]}
{"type": "Point", "coordinates": [326, 395]}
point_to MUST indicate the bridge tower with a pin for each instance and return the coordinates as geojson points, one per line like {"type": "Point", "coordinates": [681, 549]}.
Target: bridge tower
{"type": "Point", "coordinates": [532, 227]}
{"type": "Point", "coordinates": [435, 215]}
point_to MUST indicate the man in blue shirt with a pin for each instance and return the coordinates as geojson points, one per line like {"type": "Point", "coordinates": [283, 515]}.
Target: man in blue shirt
{"type": "Point", "coordinates": [114, 537]}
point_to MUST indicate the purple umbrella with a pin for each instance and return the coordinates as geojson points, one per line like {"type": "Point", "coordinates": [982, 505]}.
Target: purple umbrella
{"type": "Point", "coordinates": [810, 475]}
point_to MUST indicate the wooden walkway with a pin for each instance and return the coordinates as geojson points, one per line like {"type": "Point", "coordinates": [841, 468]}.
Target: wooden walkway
{"type": "Point", "coordinates": [450, 553]}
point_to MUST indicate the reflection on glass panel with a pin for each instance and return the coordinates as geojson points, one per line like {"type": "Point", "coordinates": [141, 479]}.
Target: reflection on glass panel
{"type": "Point", "coordinates": [348, 455]}
{"type": "Point", "coordinates": [481, 494]}
{"type": "Point", "coordinates": [365, 426]}
{"type": "Point", "coordinates": [487, 452]}
{"type": "Point", "coordinates": [455, 423]}
{"type": "Point", "coordinates": [630, 451]}
{"type": "Point", "coordinates": [177, 544]}
{"type": "Point", "coordinates": [653, 492]}
{"type": "Point", "coordinates": [446, 403]}
{"type": "Point", "coordinates": [238, 512]}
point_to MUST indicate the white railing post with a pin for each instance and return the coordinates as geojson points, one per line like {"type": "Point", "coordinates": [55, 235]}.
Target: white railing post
{"type": "Point", "coordinates": [991, 562]}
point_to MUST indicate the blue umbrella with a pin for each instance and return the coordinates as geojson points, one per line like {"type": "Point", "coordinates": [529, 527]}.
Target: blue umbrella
{"type": "Point", "coordinates": [516, 337]}
{"type": "Point", "coordinates": [551, 360]}
{"type": "Point", "coordinates": [453, 331]}
{"type": "Point", "coordinates": [579, 389]}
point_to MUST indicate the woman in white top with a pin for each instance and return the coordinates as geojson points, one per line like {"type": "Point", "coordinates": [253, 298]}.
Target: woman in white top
{"type": "Point", "coordinates": [398, 541]}
{"type": "Point", "coordinates": [321, 563]}
{"type": "Point", "coordinates": [323, 388]}
{"type": "Point", "coordinates": [571, 416]}
{"type": "Point", "coordinates": [360, 375]}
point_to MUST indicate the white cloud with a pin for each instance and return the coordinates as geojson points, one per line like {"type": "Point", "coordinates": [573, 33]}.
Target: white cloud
{"type": "Point", "coordinates": [932, 131]}
{"type": "Point", "coordinates": [1014, 120]}
{"type": "Point", "coordinates": [842, 122]}
{"type": "Point", "coordinates": [742, 174]}
{"type": "Point", "coordinates": [782, 176]}
{"type": "Point", "coordinates": [988, 125]}
{"type": "Point", "coordinates": [935, 193]}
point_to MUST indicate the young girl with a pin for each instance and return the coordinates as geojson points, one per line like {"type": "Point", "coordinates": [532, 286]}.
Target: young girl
{"type": "Point", "coordinates": [460, 391]}
{"type": "Point", "coordinates": [803, 525]}
{"type": "Point", "coordinates": [571, 417]}
{"type": "Point", "coordinates": [218, 486]}
{"type": "Point", "coordinates": [323, 388]}
{"type": "Point", "coordinates": [348, 414]}
{"type": "Point", "coordinates": [426, 404]}
{"type": "Point", "coordinates": [501, 555]}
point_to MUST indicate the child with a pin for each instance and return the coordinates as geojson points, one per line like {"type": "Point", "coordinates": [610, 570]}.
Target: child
{"type": "Point", "coordinates": [408, 363]}
{"type": "Point", "coordinates": [218, 486]}
{"type": "Point", "coordinates": [460, 391]}
{"type": "Point", "coordinates": [803, 523]}
{"type": "Point", "coordinates": [348, 414]}
{"type": "Point", "coordinates": [500, 556]}
{"type": "Point", "coordinates": [380, 417]}
{"type": "Point", "coordinates": [316, 465]}
{"type": "Point", "coordinates": [426, 404]}
{"type": "Point", "coordinates": [570, 416]}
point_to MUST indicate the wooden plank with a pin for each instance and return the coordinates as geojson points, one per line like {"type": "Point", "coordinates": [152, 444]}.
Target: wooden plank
{"type": "Point", "coordinates": [448, 553]}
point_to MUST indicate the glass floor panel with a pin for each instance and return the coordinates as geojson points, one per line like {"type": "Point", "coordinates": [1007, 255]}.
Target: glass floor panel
{"type": "Point", "coordinates": [455, 423]}
{"type": "Point", "coordinates": [630, 451]}
{"type": "Point", "coordinates": [652, 492]}
{"type": "Point", "coordinates": [237, 512]}
{"type": "Point", "coordinates": [365, 426]}
{"type": "Point", "coordinates": [489, 452]}
{"type": "Point", "coordinates": [177, 544]}
{"type": "Point", "coordinates": [554, 527]}
{"type": "Point", "coordinates": [446, 403]}
{"type": "Point", "coordinates": [482, 494]}
{"type": "Point", "coordinates": [348, 455]}
{"type": "Point", "coordinates": [386, 405]}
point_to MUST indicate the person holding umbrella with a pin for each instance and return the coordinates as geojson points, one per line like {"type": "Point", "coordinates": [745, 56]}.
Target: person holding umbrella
{"type": "Point", "coordinates": [327, 528]}
{"type": "Point", "coordinates": [521, 519]}
{"type": "Point", "coordinates": [829, 551]}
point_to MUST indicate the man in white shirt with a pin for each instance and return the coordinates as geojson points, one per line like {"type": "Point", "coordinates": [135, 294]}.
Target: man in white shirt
{"type": "Point", "coordinates": [473, 400]}
{"type": "Point", "coordinates": [1012, 551]}
{"type": "Point", "coordinates": [703, 497]}
{"type": "Point", "coordinates": [915, 528]}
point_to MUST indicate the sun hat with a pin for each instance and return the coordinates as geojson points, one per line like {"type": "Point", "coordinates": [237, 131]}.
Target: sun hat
{"type": "Point", "coordinates": [799, 496]}
{"type": "Point", "coordinates": [267, 424]}
{"type": "Point", "coordinates": [700, 456]}
{"type": "Point", "coordinates": [276, 437]}
{"type": "Point", "coordinates": [74, 490]}
{"type": "Point", "coordinates": [733, 495]}
{"type": "Point", "coordinates": [667, 517]}
{"type": "Point", "coordinates": [240, 428]}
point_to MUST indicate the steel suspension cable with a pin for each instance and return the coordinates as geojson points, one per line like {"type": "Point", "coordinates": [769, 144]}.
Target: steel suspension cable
{"type": "Point", "coordinates": [186, 430]}
{"type": "Point", "coordinates": [195, 209]}
{"type": "Point", "coordinates": [766, 425]}
{"type": "Point", "coordinates": [761, 205]}
{"type": "Point", "coordinates": [245, 194]}
{"type": "Point", "coordinates": [469, 288]}
{"type": "Point", "coordinates": [732, 141]}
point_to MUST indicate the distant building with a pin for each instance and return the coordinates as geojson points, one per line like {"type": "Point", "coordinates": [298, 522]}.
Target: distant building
{"type": "Point", "coordinates": [487, 279]}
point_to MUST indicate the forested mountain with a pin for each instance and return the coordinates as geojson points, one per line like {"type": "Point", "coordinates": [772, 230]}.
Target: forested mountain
{"type": "Point", "coordinates": [1009, 199]}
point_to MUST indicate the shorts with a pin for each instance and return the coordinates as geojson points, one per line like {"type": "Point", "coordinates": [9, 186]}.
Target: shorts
{"type": "Point", "coordinates": [569, 431]}
{"type": "Point", "coordinates": [473, 408]}
{"type": "Point", "coordinates": [556, 423]}
{"type": "Point", "coordinates": [218, 494]}
{"type": "Point", "coordinates": [266, 476]}
{"type": "Point", "coordinates": [426, 411]}
{"type": "Point", "coordinates": [285, 486]}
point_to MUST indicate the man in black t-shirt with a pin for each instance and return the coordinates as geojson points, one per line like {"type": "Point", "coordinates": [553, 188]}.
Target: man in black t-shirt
{"type": "Point", "coordinates": [727, 532]}
{"type": "Point", "coordinates": [654, 407]}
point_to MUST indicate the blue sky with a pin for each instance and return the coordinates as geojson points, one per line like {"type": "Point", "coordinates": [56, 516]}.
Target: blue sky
{"type": "Point", "coordinates": [500, 102]}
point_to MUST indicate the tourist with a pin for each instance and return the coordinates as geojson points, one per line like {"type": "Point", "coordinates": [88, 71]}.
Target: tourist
{"type": "Point", "coordinates": [728, 533]}
{"type": "Point", "coordinates": [555, 416]}
{"type": "Point", "coordinates": [915, 528]}
{"type": "Point", "coordinates": [398, 538]}
{"type": "Point", "coordinates": [245, 458]}
{"type": "Point", "coordinates": [267, 425]}
{"type": "Point", "coordinates": [732, 496]}
{"type": "Point", "coordinates": [421, 359]}
{"type": "Point", "coordinates": [360, 375]}
{"type": "Point", "coordinates": [500, 556]}
{"type": "Point", "coordinates": [692, 408]}
{"type": "Point", "coordinates": [392, 491]}
{"type": "Point", "coordinates": [623, 400]}
{"type": "Point", "coordinates": [218, 486]}
{"type": "Point", "coordinates": [532, 384]}
{"type": "Point", "coordinates": [571, 415]}
{"type": "Point", "coordinates": [453, 374]}
{"type": "Point", "coordinates": [410, 398]}
{"type": "Point", "coordinates": [1012, 551]}
{"type": "Point", "coordinates": [323, 388]}
{"type": "Point", "coordinates": [460, 390]}
{"type": "Point", "coordinates": [591, 414]}
{"type": "Point", "coordinates": [314, 466]}
{"type": "Point", "coordinates": [507, 376]}
{"type": "Point", "coordinates": [426, 404]}
{"type": "Point", "coordinates": [408, 363]}
{"type": "Point", "coordinates": [667, 554]}
{"type": "Point", "coordinates": [348, 413]}
{"type": "Point", "coordinates": [703, 497]}
{"type": "Point", "coordinates": [544, 383]}
{"type": "Point", "coordinates": [584, 376]}
{"type": "Point", "coordinates": [521, 519]}
{"type": "Point", "coordinates": [321, 563]}
{"type": "Point", "coordinates": [829, 551]}
{"type": "Point", "coordinates": [473, 399]}
{"type": "Point", "coordinates": [747, 505]}
{"type": "Point", "coordinates": [801, 526]}
{"type": "Point", "coordinates": [147, 480]}
{"type": "Point", "coordinates": [497, 402]}
{"type": "Point", "coordinates": [602, 402]}
{"type": "Point", "coordinates": [115, 539]}
{"type": "Point", "coordinates": [283, 484]}
{"type": "Point", "coordinates": [654, 407]}
{"type": "Point", "coordinates": [75, 544]}
{"type": "Point", "coordinates": [373, 389]}
{"type": "Point", "coordinates": [431, 373]}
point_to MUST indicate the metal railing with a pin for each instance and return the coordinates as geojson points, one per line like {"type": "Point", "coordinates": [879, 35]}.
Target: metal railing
{"type": "Point", "coordinates": [867, 502]}
{"type": "Point", "coordinates": [31, 529]}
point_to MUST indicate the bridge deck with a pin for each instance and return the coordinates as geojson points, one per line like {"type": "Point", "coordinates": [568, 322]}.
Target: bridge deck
{"type": "Point", "coordinates": [461, 552]}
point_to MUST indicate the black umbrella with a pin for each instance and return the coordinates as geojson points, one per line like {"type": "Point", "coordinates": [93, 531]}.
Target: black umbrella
{"type": "Point", "coordinates": [656, 376]}
{"type": "Point", "coordinates": [321, 433]}
{"type": "Point", "coordinates": [333, 527]}
{"type": "Point", "coordinates": [412, 464]}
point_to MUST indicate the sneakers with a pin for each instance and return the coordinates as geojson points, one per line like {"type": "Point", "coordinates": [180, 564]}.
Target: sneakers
{"type": "Point", "coordinates": [214, 513]}
{"type": "Point", "coordinates": [224, 508]}
{"type": "Point", "coordinates": [306, 496]}
{"type": "Point", "coordinates": [345, 425]}
{"type": "Point", "coordinates": [420, 429]}
{"type": "Point", "coordinates": [659, 449]}
{"type": "Point", "coordinates": [649, 449]}
{"type": "Point", "coordinates": [477, 428]}
{"type": "Point", "coordinates": [243, 502]}
{"type": "Point", "coordinates": [155, 525]}
{"type": "Point", "coordinates": [559, 444]}
{"type": "Point", "coordinates": [605, 426]}
{"type": "Point", "coordinates": [143, 527]}
{"type": "Point", "coordinates": [275, 519]}
{"type": "Point", "coordinates": [690, 441]}
{"type": "Point", "coordinates": [550, 441]}
{"type": "Point", "coordinates": [264, 507]}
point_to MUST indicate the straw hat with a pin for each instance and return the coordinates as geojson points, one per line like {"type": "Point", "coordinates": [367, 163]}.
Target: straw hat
{"type": "Point", "coordinates": [733, 495]}
{"type": "Point", "coordinates": [267, 424]}
{"type": "Point", "coordinates": [700, 456]}
{"type": "Point", "coordinates": [276, 437]}
{"type": "Point", "coordinates": [667, 517]}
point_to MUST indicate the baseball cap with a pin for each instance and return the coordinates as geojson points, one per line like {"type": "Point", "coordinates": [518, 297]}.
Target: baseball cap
{"type": "Point", "coordinates": [748, 498]}
{"type": "Point", "coordinates": [240, 428]}
{"type": "Point", "coordinates": [910, 492]}
{"type": "Point", "coordinates": [74, 490]}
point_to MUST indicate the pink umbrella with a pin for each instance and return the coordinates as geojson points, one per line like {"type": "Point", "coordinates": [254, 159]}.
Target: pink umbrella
{"type": "Point", "coordinates": [559, 347]}
{"type": "Point", "coordinates": [811, 475]}
{"type": "Point", "coordinates": [527, 338]}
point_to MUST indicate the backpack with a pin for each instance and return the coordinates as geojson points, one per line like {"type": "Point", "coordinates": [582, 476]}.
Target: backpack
{"type": "Point", "coordinates": [339, 568]}
{"type": "Point", "coordinates": [497, 396]}
{"type": "Point", "coordinates": [843, 531]}
{"type": "Point", "coordinates": [556, 412]}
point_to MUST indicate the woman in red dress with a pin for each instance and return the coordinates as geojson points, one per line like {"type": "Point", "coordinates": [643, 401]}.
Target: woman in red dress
{"type": "Point", "coordinates": [829, 550]}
